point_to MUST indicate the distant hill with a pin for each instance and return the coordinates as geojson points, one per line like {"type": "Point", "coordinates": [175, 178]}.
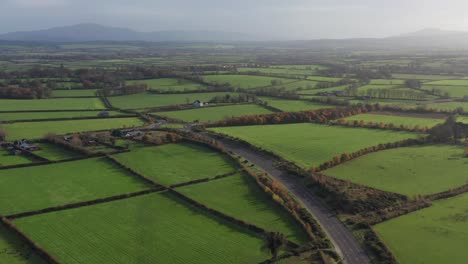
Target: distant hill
{"type": "Point", "coordinates": [95, 32]}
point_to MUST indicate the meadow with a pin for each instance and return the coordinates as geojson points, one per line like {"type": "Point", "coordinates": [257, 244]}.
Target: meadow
{"type": "Point", "coordinates": [169, 84]}
{"type": "Point", "coordinates": [310, 144]}
{"type": "Point", "coordinates": [243, 199]}
{"type": "Point", "coordinates": [461, 82]}
{"type": "Point", "coordinates": [452, 91]}
{"type": "Point", "coordinates": [323, 79]}
{"type": "Point", "coordinates": [448, 107]}
{"type": "Point", "coordinates": [147, 100]}
{"type": "Point", "coordinates": [207, 114]}
{"type": "Point", "coordinates": [38, 187]}
{"type": "Point", "coordinates": [155, 228]}
{"type": "Point", "coordinates": [434, 235]}
{"type": "Point", "coordinates": [245, 81]}
{"type": "Point", "coordinates": [55, 152]}
{"type": "Point", "coordinates": [323, 90]}
{"type": "Point", "coordinates": [297, 85]}
{"type": "Point", "coordinates": [35, 130]}
{"type": "Point", "coordinates": [74, 93]}
{"type": "Point", "coordinates": [7, 159]}
{"type": "Point", "coordinates": [407, 170]}
{"type": "Point", "coordinates": [424, 77]}
{"type": "Point", "coordinates": [279, 71]}
{"type": "Point", "coordinates": [51, 104]}
{"type": "Point", "coordinates": [364, 88]}
{"type": "Point", "coordinates": [396, 120]}
{"type": "Point", "coordinates": [53, 115]}
{"type": "Point", "coordinates": [387, 82]}
{"type": "Point", "coordinates": [15, 251]}
{"type": "Point", "coordinates": [314, 67]}
{"type": "Point", "coordinates": [293, 105]}
{"type": "Point", "coordinates": [163, 163]}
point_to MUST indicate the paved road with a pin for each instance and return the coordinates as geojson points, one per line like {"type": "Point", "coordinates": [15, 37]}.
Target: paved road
{"type": "Point", "coordinates": [344, 242]}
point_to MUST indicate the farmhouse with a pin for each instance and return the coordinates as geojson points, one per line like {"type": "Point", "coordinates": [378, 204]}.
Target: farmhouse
{"type": "Point", "coordinates": [24, 144]}
{"type": "Point", "coordinates": [103, 114]}
{"type": "Point", "coordinates": [198, 103]}
{"type": "Point", "coordinates": [131, 134]}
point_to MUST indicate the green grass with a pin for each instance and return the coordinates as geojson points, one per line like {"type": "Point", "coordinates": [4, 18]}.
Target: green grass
{"type": "Point", "coordinates": [312, 144]}
{"type": "Point", "coordinates": [322, 90]}
{"type": "Point", "coordinates": [37, 187]}
{"type": "Point", "coordinates": [449, 83]}
{"type": "Point", "coordinates": [463, 119]}
{"type": "Point", "coordinates": [364, 88]}
{"type": "Point", "coordinates": [297, 85]}
{"type": "Point", "coordinates": [7, 159]}
{"type": "Point", "coordinates": [313, 67]}
{"type": "Point", "coordinates": [169, 84]}
{"type": "Point", "coordinates": [279, 71]}
{"type": "Point", "coordinates": [438, 234]}
{"type": "Point", "coordinates": [293, 105]}
{"type": "Point", "coordinates": [215, 113]}
{"type": "Point", "coordinates": [245, 81]}
{"type": "Point", "coordinates": [176, 163]}
{"type": "Point", "coordinates": [74, 93]}
{"type": "Point", "coordinates": [450, 106]}
{"type": "Point", "coordinates": [147, 100]}
{"type": "Point", "coordinates": [51, 104]}
{"type": "Point", "coordinates": [453, 91]}
{"type": "Point", "coordinates": [387, 82]}
{"type": "Point", "coordinates": [34, 130]}
{"type": "Point", "coordinates": [52, 115]}
{"type": "Point", "coordinates": [423, 77]}
{"type": "Point", "coordinates": [54, 152]}
{"type": "Point", "coordinates": [15, 251]}
{"type": "Point", "coordinates": [243, 199]}
{"type": "Point", "coordinates": [156, 228]}
{"type": "Point", "coordinates": [409, 171]}
{"type": "Point", "coordinates": [323, 79]}
{"type": "Point", "coordinates": [397, 120]}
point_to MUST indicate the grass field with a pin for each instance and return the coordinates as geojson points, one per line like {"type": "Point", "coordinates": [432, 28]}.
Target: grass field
{"type": "Point", "coordinates": [387, 82]}
{"type": "Point", "coordinates": [409, 170]}
{"type": "Point", "coordinates": [364, 88]}
{"type": "Point", "coordinates": [397, 121]}
{"type": "Point", "coordinates": [154, 228]}
{"type": "Point", "coordinates": [279, 71]}
{"type": "Point", "coordinates": [323, 90]}
{"type": "Point", "coordinates": [37, 187]}
{"type": "Point", "coordinates": [245, 81]}
{"type": "Point", "coordinates": [14, 251]}
{"type": "Point", "coordinates": [312, 144]}
{"type": "Point", "coordinates": [163, 163]}
{"type": "Point", "coordinates": [51, 104]}
{"type": "Point", "coordinates": [74, 93]}
{"type": "Point", "coordinates": [169, 84]}
{"type": "Point", "coordinates": [438, 234]}
{"type": "Point", "coordinates": [55, 152]}
{"type": "Point", "coordinates": [7, 159]}
{"type": "Point", "coordinates": [423, 77]}
{"type": "Point", "coordinates": [463, 119]}
{"type": "Point", "coordinates": [293, 105]}
{"type": "Point", "coordinates": [453, 91]}
{"type": "Point", "coordinates": [301, 67]}
{"type": "Point", "coordinates": [297, 85]}
{"type": "Point", "coordinates": [449, 83]}
{"type": "Point", "coordinates": [33, 130]}
{"type": "Point", "coordinates": [450, 106]}
{"type": "Point", "coordinates": [243, 199]}
{"type": "Point", "coordinates": [215, 113]}
{"type": "Point", "coordinates": [323, 79]}
{"type": "Point", "coordinates": [52, 115]}
{"type": "Point", "coordinates": [143, 100]}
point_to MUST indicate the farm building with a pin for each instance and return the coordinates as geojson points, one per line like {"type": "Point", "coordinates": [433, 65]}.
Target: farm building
{"type": "Point", "coordinates": [198, 103]}
{"type": "Point", "coordinates": [103, 114]}
{"type": "Point", "coordinates": [131, 134]}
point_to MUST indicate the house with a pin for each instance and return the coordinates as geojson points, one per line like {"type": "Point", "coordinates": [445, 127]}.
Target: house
{"type": "Point", "coordinates": [24, 144]}
{"type": "Point", "coordinates": [198, 103]}
{"type": "Point", "coordinates": [131, 134]}
{"type": "Point", "coordinates": [103, 114]}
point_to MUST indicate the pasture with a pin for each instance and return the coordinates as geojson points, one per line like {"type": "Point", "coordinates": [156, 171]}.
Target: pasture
{"type": "Point", "coordinates": [163, 163]}
{"type": "Point", "coordinates": [169, 84]}
{"type": "Point", "coordinates": [396, 120]}
{"type": "Point", "coordinates": [323, 90]}
{"type": "Point", "coordinates": [423, 77]}
{"type": "Point", "coordinates": [55, 152]}
{"type": "Point", "coordinates": [15, 251]}
{"type": "Point", "coordinates": [38, 187]}
{"type": "Point", "coordinates": [433, 235]}
{"type": "Point", "coordinates": [310, 144]}
{"type": "Point", "coordinates": [148, 100]}
{"type": "Point", "coordinates": [297, 85]}
{"type": "Point", "coordinates": [294, 105]}
{"type": "Point", "coordinates": [8, 159]}
{"type": "Point", "coordinates": [35, 130]}
{"type": "Point", "coordinates": [278, 71]}
{"type": "Point", "coordinates": [448, 107]}
{"type": "Point", "coordinates": [246, 81]}
{"type": "Point", "coordinates": [51, 104]}
{"type": "Point", "coordinates": [74, 93]}
{"type": "Point", "coordinates": [452, 91]}
{"type": "Point", "coordinates": [460, 82]}
{"type": "Point", "coordinates": [242, 198]}
{"type": "Point", "coordinates": [53, 115]}
{"type": "Point", "coordinates": [155, 228]}
{"type": "Point", "coordinates": [207, 114]}
{"type": "Point", "coordinates": [407, 170]}
{"type": "Point", "coordinates": [387, 82]}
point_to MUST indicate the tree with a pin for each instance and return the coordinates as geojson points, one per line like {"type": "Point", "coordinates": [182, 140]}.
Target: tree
{"type": "Point", "coordinates": [274, 242]}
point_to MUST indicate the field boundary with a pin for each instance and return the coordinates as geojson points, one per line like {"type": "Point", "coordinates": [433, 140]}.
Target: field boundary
{"type": "Point", "coordinates": [206, 179]}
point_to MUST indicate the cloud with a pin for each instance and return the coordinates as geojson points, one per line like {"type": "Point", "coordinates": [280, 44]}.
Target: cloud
{"type": "Point", "coordinates": [39, 3]}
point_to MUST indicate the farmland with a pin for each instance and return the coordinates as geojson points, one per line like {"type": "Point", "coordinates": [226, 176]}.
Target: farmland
{"type": "Point", "coordinates": [407, 170]}
{"type": "Point", "coordinates": [153, 228]}
{"type": "Point", "coordinates": [33, 188]}
{"type": "Point", "coordinates": [7, 159]}
{"type": "Point", "coordinates": [54, 152]}
{"type": "Point", "coordinates": [74, 93]}
{"type": "Point", "coordinates": [311, 144]}
{"type": "Point", "coordinates": [246, 81]}
{"type": "Point", "coordinates": [397, 121]}
{"type": "Point", "coordinates": [52, 115]}
{"type": "Point", "coordinates": [452, 91]}
{"type": "Point", "coordinates": [51, 104]}
{"type": "Point", "coordinates": [215, 113]}
{"type": "Point", "coordinates": [14, 251]}
{"type": "Point", "coordinates": [244, 199]}
{"type": "Point", "coordinates": [433, 235]}
{"type": "Point", "coordinates": [32, 130]}
{"type": "Point", "coordinates": [289, 71]}
{"type": "Point", "coordinates": [169, 84]}
{"type": "Point", "coordinates": [162, 163]}
{"type": "Point", "coordinates": [293, 105]}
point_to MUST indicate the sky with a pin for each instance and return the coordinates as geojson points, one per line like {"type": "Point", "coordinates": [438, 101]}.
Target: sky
{"type": "Point", "coordinates": [275, 19]}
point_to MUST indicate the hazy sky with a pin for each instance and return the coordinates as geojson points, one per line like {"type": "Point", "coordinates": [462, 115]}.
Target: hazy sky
{"type": "Point", "coordinates": [293, 19]}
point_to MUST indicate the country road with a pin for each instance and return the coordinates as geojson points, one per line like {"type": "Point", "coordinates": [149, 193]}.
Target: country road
{"type": "Point", "coordinates": [344, 242]}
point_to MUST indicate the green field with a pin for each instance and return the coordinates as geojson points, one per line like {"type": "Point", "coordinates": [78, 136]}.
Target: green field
{"type": "Point", "coordinates": [387, 82]}
{"type": "Point", "coordinates": [396, 120]}
{"type": "Point", "coordinates": [312, 144]}
{"type": "Point", "coordinates": [74, 93]}
{"type": "Point", "coordinates": [163, 163]}
{"type": "Point", "coordinates": [323, 90]}
{"type": "Point", "coordinates": [51, 104]}
{"type": "Point", "coordinates": [55, 152]}
{"type": "Point", "coordinates": [363, 89]}
{"type": "Point", "coordinates": [297, 85]}
{"type": "Point", "coordinates": [449, 106]}
{"type": "Point", "coordinates": [243, 199]}
{"type": "Point", "coordinates": [450, 83]}
{"type": "Point", "coordinates": [279, 71]}
{"type": "Point", "coordinates": [156, 228]}
{"type": "Point", "coordinates": [14, 251]}
{"type": "Point", "coordinates": [438, 234]}
{"type": "Point", "coordinates": [143, 100]}
{"type": "Point", "coordinates": [169, 84]}
{"type": "Point", "coordinates": [453, 91]}
{"type": "Point", "coordinates": [408, 170]}
{"type": "Point", "coordinates": [301, 67]}
{"type": "Point", "coordinates": [7, 159]}
{"type": "Point", "coordinates": [37, 187]}
{"type": "Point", "coordinates": [293, 105]}
{"type": "Point", "coordinates": [245, 81]}
{"type": "Point", "coordinates": [323, 79]}
{"type": "Point", "coordinates": [34, 130]}
{"type": "Point", "coordinates": [52, 115]}
{"type": "Point", "coordinates": [215, 113]}
{"type": "Point", "coordinates": [423, 77]}
{"type": "Point", "coordinates": [463, 119]}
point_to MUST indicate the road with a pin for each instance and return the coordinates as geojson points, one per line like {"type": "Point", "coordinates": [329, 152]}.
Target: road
{"type": "Point", "coordinates": [344, 242]}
